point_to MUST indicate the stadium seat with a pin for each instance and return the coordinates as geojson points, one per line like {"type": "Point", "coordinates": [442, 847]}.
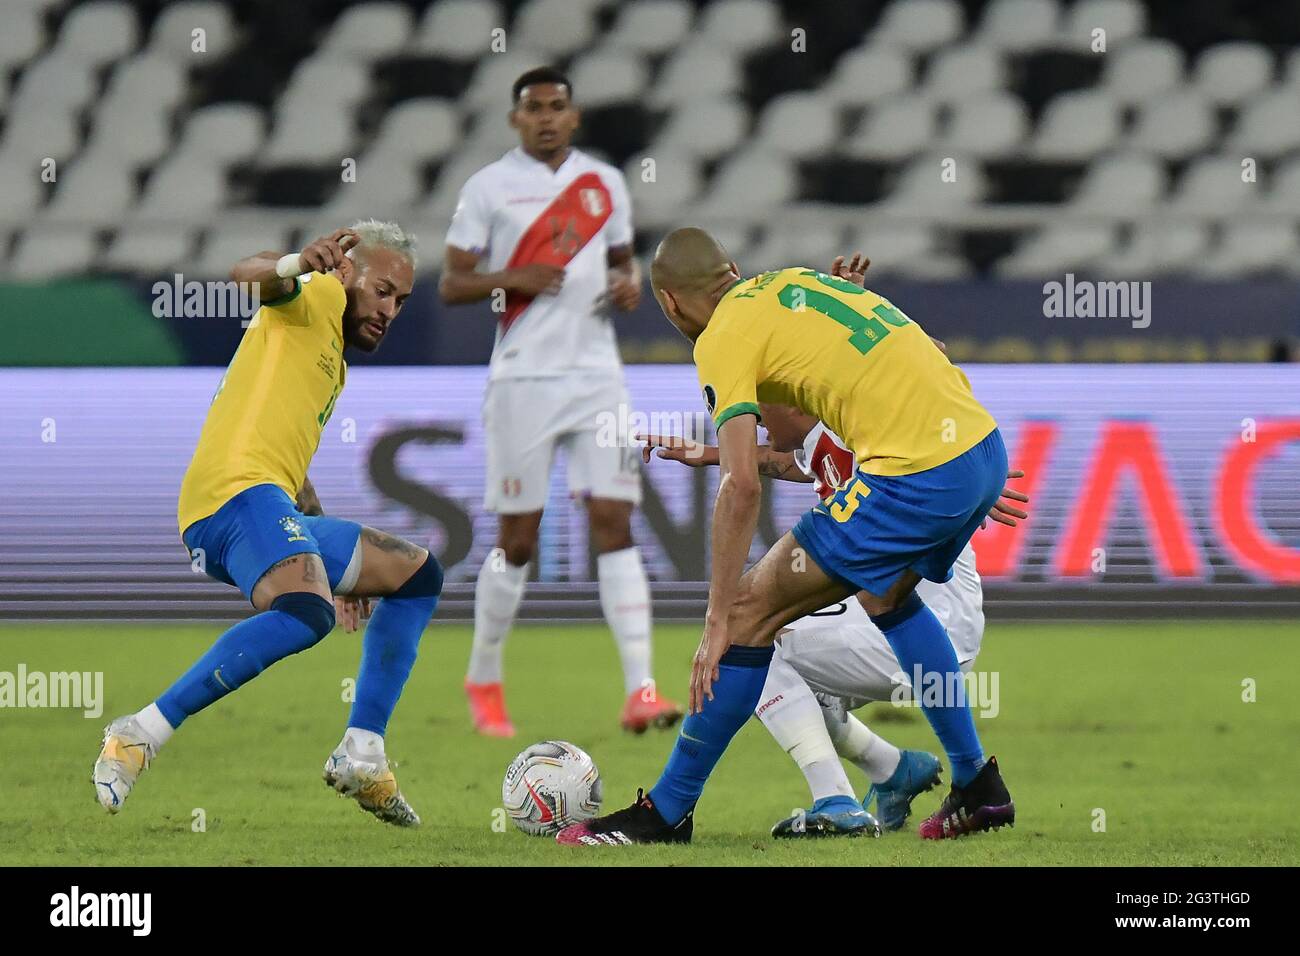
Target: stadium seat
{"type": "Point", "coordinates": [741, 25]}
{"type": "Point", "coordinates": [608, 77]}
{"type": "Point", "coordinates": [985, 126]}
{"type": "Point", "coordinates": [184, 189]}
{"type": "Point", "coordinates": [963, 70]}
{"type": "Point", "coordinates": [750, 180]}
{"type": "Point", "coordinates": [227, 244]}
{"type": "Point", "coordinates": [47, 252]}
{"type": "Point", "coordinates": [1019, 25]}
{"type": "Point", "coordinates": [1058, 249]}
{"type": "Point", "coordinates": [651, 26]}
{"type": "Point", "coordinates": [556, 27]}
{"type": "Point", "coordinates": [369, 31]}
{"type": "Point", "coordinates": [677, 183]}
{"type": "Point", "coordinates": [1077, 125]}
{"type": "Point", "coordinates": [173, 31]}
{"type": "Point", "coordinates": [1284, 197]}
{"type": "Point", "coordinates": [420, 129]}
{"type": "Point", "coordinates": [1173, 126]}
{"type": "Point", "coordinates": [1251, 247]}
{"type": "Point", "coordinates": [34, 135]}
{"type": "Point", "coordinates": [143, 83]}
{"type": "Point", "coordinates": [922, 189]}
{"type": "Point", "coordinates": [311, 133]}
{"type": "Point", "coordinates": [1159, 248]}
{"type": "Point", "coordinates": [905, 249]}
{"type": "Point", "coordinates": [1213, 185]}
{"type": "Point", "coordinates": [24, 192]}
{"type": "Point", "coordinates": [893, 130]}
{"type": "Point", "coordinates": [130, 139]}
{"type": "Point", "coordinates": [1138, 71]}
{"type": "Point", "coordinates": [225, 132]}
{"type": "Point", "coordinates": [1121, 19]}
{"type": "Point", "coordinates": [152, 251]}
{"type": "Point", "coordinates": [694, 67]}
{"type": "Point", "coordinates": [22, 37]}
{"type": "Point", "coordinates": [706, 127]}
{"type": "Point", "coordinates": [1228, 74]}
{"type": "Point", "coordinates": [869, 74]}
{"type": "Point", "coordinates": [458, 30]}
{"type": "Point", "coordinates": [97, 33]}
{"type": "Point", "coordinates": [919, 25]}
{"type": "Point", "coordinates": [797, 124]}
{"type": "Point", "coordinates": [55, 81]}
{"type": "Point", "coordinates": [1268, 127]}
{"type": "Point", "coordinates": [797, 241]}
{"type": "Point", "coordinates": [489, 88]}
{"type": "Point", "coordinates": [1119, 185]}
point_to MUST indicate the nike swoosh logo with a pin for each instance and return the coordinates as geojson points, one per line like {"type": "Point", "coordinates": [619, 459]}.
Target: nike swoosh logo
{"type": "Point", "coordinates": [547, 815]}
{"type": "Point", "coordinates": [696, 739]}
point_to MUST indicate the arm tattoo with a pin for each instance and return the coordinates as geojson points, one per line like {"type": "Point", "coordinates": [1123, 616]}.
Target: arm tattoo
{"type": "Point", "coordinates": [774, 464]}
{"type": "Point", "coordinates": [389, 543]}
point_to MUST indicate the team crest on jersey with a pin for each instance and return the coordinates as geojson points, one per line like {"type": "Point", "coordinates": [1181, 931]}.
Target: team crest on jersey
{"type": "Point", "coordinates": [710, 399]}
{"type": "Point", "coordinates": [593, 201]}
{"type": "Point", "coordinates": [292, 528]}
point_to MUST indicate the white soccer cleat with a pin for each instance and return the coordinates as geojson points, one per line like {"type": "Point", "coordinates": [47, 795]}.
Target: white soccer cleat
{"type": "Point", "coordinates": [371, 784]}
{"type": "Point", "coordinates": [126, 754]}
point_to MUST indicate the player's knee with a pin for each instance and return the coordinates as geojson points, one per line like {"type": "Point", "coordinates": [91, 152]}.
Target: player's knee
{"type": "Point", "coordinates": [611, 525]}
{"type": "Point", "coordinates": [894, 611]}
{"type": "Point", "coordinates": [426, 582]}
{"type": "Point", "coordinates": [311, 609]}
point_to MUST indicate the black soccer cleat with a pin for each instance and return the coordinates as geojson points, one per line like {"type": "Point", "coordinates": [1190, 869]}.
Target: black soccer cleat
{"type": "Point", "coordinates": [983, 804]}
{"type": "Point", "coordinates": [639, 823]}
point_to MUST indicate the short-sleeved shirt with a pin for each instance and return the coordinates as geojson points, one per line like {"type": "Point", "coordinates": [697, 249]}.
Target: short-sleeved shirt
{"type": "Point", "coordinates": [505, 204]}
{"type": "Point", "coordinates": [846, 355]}
{"type": "Point", "coordinates": [266, 418]}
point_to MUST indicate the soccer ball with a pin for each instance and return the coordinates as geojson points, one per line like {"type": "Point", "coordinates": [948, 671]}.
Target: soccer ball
{"type": "Point", "coordinates": [550, 786]}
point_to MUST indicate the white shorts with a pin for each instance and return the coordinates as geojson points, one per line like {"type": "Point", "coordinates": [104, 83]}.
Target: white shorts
{"type": "Point", "coordinates": [838, 651]}
{"type": "Point", "coordinates": [527, 419]}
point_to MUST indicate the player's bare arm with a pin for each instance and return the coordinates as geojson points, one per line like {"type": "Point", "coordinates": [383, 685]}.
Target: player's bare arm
{"type": "Point", "coordinates": [624, 278]}
{"type": "Point", "coordinates": [735, 516]}
{"type": "Point", "coordinates": [326, 254]}
{"type": "Point", "coordinates": [771, 463]}
{"type": "Point", "coordinates": [307, 500]}
{"type": "Point", "coordinates": [462, 284]}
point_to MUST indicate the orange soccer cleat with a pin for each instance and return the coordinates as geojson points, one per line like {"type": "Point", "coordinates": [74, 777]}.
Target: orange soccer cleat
{"type": "Point", "coordinates": [645, 709]}
{"type": "Point", "coordinates": [487, 708]}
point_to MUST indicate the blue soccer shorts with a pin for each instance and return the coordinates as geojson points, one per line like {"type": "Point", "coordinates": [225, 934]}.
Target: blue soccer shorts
{"type": "Point", "coordinates": [876, 527]}
{"type": "Point", "coordinates": [259, 528]}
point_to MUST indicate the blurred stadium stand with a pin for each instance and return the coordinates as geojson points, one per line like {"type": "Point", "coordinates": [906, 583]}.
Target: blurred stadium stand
{"type": "Point", "coordinates": [1128, 162]}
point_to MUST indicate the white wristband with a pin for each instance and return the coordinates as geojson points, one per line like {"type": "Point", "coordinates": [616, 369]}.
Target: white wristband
{"type": "Point", "coordinates": [287, 267]}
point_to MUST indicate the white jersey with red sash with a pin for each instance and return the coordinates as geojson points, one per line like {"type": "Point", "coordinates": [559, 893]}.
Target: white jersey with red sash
{"type": "Point", "coordinates": [517, 211]}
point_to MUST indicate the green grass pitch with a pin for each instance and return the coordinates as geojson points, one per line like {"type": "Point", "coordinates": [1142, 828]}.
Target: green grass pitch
{"type": "Point", "coordinates": [1144, 722]}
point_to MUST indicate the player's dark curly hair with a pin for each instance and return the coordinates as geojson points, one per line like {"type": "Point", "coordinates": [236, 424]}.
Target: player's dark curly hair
{"type": "Point", "coordinates": [542, 74]}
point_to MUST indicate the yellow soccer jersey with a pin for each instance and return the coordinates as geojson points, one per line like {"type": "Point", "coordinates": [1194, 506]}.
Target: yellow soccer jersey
{"type": "Point", "coordinates": [846, 355]}
{"type": "Point", "coordinates": [265, 421]}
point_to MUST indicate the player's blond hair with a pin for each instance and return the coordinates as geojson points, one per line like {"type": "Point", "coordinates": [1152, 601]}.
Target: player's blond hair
{"type": "Point", "coordinates": [386, 235]}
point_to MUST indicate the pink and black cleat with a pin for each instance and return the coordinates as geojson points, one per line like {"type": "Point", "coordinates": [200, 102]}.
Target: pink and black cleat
{"type": "Point", "coordinates": [983, 804]}
{"type": "Point", "coordinates": [639, 823]}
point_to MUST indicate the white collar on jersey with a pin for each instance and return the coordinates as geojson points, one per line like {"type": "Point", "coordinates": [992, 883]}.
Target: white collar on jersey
{"type": "Point", "coordinates": [521, 157]}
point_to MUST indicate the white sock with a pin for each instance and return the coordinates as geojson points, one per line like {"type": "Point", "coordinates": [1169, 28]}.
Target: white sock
{"type": "Point", "coordinates": [365, 744]}
{"type": "Point", "coordinates": [625, 600]}
{"type": "Point", "coordinates": [497, 594]}
{"type": "Point", "coordinates": [155, 725]}
{"type": "Point", "coordinates": [872, 754]}
{"type": "Point", "coordinates": [792, 715]}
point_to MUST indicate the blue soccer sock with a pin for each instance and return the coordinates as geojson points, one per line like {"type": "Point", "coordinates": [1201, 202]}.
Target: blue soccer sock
{"type": "Point", "coordinates": [704, 736]}
{"type": "Point", "coordinates": [294, 622]}
{"type": "Point", "coordinates": [389, 648]}
{"type": "Point", "coordinates": [920, 641]}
